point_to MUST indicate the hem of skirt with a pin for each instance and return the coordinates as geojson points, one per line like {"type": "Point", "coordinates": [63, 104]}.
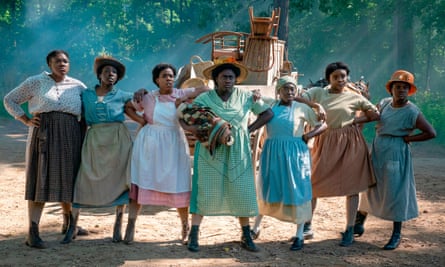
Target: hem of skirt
{"type": "Point", "coordinates": [164, 204]}
{"type": "Point", "coordinates": [339, 194]}
{"type": "Point", "coordinates": [225, 214]}
{"type": "Point", "coordinates": [392, 219]}
{"type": "Point", "coordinates": [123, 199]}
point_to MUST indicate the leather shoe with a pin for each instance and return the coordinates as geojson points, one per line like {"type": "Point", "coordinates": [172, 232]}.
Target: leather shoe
{"type": "Point", "coordinates": [246, 240]}
{"type": "Point", "coordinates": [347, 237]}
{"type": "Point", "coordinates": [254, 234]}
{"type": "Point", "coordinates": [394, 242]}
{"type": "Point", "coordinates": [81, 231]}
{"type": "Point", "coordinates": [359, 227]}
{"type": "Point", "coordinates": [297, 244]}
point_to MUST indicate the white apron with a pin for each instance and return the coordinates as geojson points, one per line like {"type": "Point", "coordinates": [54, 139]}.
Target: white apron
{"type": "Point", "coordinates": [161, 158]}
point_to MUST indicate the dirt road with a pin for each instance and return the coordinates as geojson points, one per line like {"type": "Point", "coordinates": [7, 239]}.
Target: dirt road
{"type": "Point", "coordinates": [158, 230]}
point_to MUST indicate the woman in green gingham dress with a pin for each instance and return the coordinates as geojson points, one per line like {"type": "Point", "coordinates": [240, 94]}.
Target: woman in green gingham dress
{"type": "Point", "coordinates": [223, 183]}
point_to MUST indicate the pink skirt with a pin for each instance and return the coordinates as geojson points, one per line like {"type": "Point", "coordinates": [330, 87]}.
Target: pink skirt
{"type": "Point", "coordinates": [150, 197]}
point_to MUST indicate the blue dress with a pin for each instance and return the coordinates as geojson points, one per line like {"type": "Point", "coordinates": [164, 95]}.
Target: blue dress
{"type": "Point", "coordinates": [394, 196]}
{"type": "Point", "coordinates": [284, 184]}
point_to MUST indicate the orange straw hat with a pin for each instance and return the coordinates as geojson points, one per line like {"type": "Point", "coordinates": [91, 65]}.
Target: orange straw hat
{"type": "Point", "coordinates": [226, 61]}
{"type": "Point", "coordinates": [402, 76]}
{"type": "Point", "coordinates": [109, 61]}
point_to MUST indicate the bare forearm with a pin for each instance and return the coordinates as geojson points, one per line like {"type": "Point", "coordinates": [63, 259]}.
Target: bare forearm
{"type": "Point", "coordinates": [262, 119]}
{"type": "Point", "coordinates": [316, 131]}
{"type": "Point", "coordinates": [316, 106]}
{"type": "Point", "coordinates": [131, 113]}
{"type": "Point", "coordinates": [423, 136]}
{"type": "Point", "coordinates": [368, 117]}
{"type": "Point", "coordinates": [426, 131]}
{"type": "Point", "coordinates": [304, 101]}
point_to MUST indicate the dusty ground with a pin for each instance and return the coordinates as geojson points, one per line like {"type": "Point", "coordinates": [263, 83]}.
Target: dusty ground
{"type": "Point", "coordinates": [157, 230]}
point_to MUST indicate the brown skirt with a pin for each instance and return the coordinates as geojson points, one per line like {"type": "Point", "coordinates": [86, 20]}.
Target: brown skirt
{"type": "Point", "coordinates": [341, 165]}
{"type": "Point", "coordinates": [53, 158]}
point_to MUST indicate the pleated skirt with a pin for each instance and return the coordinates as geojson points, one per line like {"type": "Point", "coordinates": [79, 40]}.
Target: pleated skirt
{"type": "Point", "coordinates": [53, 158]}
{"type": "Point", "coordinates": [341, 165]}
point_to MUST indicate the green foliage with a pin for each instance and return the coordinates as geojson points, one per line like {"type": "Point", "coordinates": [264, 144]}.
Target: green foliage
{"type": "Point", "coordinates": [143, 33]}
{"type": "Point", "coordinates": [432, 106]}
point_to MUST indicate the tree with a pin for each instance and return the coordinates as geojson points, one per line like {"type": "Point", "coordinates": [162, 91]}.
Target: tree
{"type": "Point", "coordinates": [283, 30]}
{"type": "Point", "coordinates": [404, 35]}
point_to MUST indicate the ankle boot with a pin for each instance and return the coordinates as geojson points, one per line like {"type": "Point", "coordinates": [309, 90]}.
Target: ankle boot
{"type": "Point", "coordinates": [307, 231]}
{"type": "Point", "coordinates": [297, 244]}
{"type": "Point", "coordinates": [193, 244]}
{"type": "Point", "coordinates": [129, 232]}
{"type": "Point", "coordinates": [393, 242]}
{"type": "Point", "coordinates": [81, 231]}
{"type": "Point", "coordinates": [72, 230]}
{"type": "Point", "coordinates": [359, 227]}
{"type": "Point", "coordinates": [246, 240]}
{"type": "Point", "coordinates": [33, 240]}
{"type": "Point", "coordinates": [66, 221]}
{"type": "Point", "coordinates": [348, 237]}
{"type": "Point", "coordinates": [117, 230]}
{"type": "Point", "coordinates": [396, 237]}
{"type": "Point", "coordinates": [254, 234]}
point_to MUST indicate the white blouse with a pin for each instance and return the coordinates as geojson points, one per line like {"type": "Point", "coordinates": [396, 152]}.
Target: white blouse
{"type": "Point", "coordinates": [43, 94]}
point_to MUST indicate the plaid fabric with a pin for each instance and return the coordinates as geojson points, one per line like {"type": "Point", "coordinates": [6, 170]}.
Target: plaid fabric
{"type": "Point", "coordinates": [213, 130]}
{"type": "Point", "coordinates": [53, 158]}
{"type": "Point", "coordinates": [223, 183]}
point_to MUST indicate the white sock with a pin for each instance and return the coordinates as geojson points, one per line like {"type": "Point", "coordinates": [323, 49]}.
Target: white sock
{"type": "Point", "coordinates": [256, 226]}
{"type": "Point", "coordinates": [300, 228]}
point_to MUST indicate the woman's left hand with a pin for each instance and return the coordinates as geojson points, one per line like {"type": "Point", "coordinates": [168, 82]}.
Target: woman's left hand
{"type": "Point", "coordinates": [321, 112]}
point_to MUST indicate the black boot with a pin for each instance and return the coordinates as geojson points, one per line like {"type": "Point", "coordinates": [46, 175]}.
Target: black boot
{"type": "Point", "coordinates": [129, 232]}
{"type": "Point", "coordinates": [33, 240]}
{"type": "Point", "coordinates": [66, 221]}
{"type": "Point", "coordinates": [254, 234]}
{"type": "Point", "coordinates": [71, 232]}
{"type": "Point", "coordinates": [348, 237]}
{"type": "Point", "coordinates": [81, 231]}
{"type": "Point", "coordinates": [246, 240]}
{"type": "Point", "coordinates": [297, 244]}
{"type": "Point", "coordinates": [359, 227]}
{"type": "Point", "coordinates": [307, 231]}
{"type": "Point", "coordinates": [193, 244]}
{"type": "Point", "coordinates": [396, 236]}
{"type": "Point", "coordinates": [117, 230]}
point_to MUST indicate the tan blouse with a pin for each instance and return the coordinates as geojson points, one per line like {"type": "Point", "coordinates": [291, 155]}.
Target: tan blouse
{"type": "Point", "coordinates": [340, 108]}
